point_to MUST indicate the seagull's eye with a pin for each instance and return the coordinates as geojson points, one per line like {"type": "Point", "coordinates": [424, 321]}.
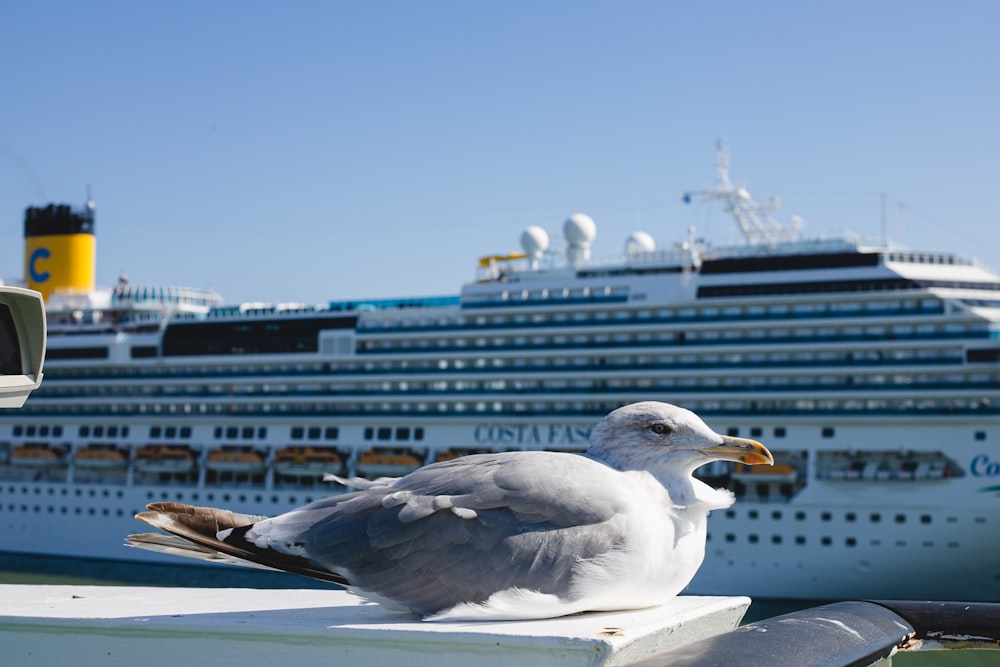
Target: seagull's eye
{"type": "Point", "coordinates": [659, 428]}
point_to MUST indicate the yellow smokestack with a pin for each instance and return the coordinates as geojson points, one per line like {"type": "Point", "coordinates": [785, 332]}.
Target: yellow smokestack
{"type": "Point", "coordinates": [60, 249]}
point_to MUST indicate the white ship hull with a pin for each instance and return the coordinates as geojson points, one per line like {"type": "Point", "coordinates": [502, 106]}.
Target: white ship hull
{"type": "Point", "coordinates": [837, 538]}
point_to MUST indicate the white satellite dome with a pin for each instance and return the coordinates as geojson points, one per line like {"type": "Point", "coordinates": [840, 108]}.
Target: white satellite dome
{"type": "Point", "coordinates": [580, 230]}
{"type": "Point", "coordinates": [638, 242]}
{"type": "Point", "coordinates": [534, 241]}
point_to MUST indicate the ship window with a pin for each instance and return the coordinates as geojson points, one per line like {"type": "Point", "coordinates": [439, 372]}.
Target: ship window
{"type": "Point", "coordinates": [980, 435]}
{"type": "Point", "coordinates": [776, 539]}
{"type": "Point", "coordinates": [298, 431]}
{"type": "Point", "coordinates": [418, 433]}
{"type": "Point", "coordinates": [402, 433]}
{"type": "Point", "coordinates": [925, 518]}
{"type": "Point", "coordinates": [755, 432]}
{"type": "Point", "coordinates": [776, 515]}
{"type": "Point", "coordinates": [31, 430]}
{"type": "Point", "coordinates": [247, 433]}
{"type": "Point", "coordinates": [730, 514]}
{"type": "Point", "coordinates": [98, 431]}
{"type": "Point", "coordinates": [231, 432]}
{"type": "Point", "coordinates": [875, 517]}
{"type": "Point", "coordinates": [218, 432]}
{"type": "Point", "coordinates": [825, 516]}
{"type": "Point", "coordinates": [851, 542]}
{"type": "Point", "coordinates": [314, 432]}
{"type": "Point", "coordinates": [185, 432]}
{"type": "Point", "coordinates": [827, 431]}
{"type": "Point", "coordinates": [171, 432]}
{"type": "Point", "coordinates": [112, 431]}
{"type": "Point", "coordinates": [369, 433]}
{"type": "Point", "coordinates": [384, 433]}
{"type": "Point", "coordinates": [331, 433]}
{"type": "Point", "coordinates": [752, 514]}
{"type": "Point", "coordinates": [900, 518]}
{"type": "Point", "coordinates": [43, 431]}
{"type": "Point", "coordinates": [261, 432]}
{"type": "Point", "coordinates": [800, 539]}
{"type": "Point", "coordinates": [851, 516]}
{"type": "Point", "coordinates": [733, 431]}
{"type": "Point", "coordinates": [18, 430]}
{"type": "Point", "coordinates": [800, 516]}
{"type": "Point", "coordinates": [752, 539]}
{"type": "Point", "coordinates": [730, 537]}
{"type": "Point", "coordinates": [154, 432]}
{"type": "Point", "coordinates": [826, 541]}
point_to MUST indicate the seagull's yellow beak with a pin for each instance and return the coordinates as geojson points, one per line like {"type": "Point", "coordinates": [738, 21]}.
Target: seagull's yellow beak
{"type": "Point", "coordinates": [740, 450]}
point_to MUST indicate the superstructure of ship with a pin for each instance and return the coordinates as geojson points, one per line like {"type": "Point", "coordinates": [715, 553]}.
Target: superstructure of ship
{"type": "Point", "coordinates": [872, 373]}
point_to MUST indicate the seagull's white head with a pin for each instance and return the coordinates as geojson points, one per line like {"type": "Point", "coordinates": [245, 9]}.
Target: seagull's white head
{"type": "Point", "coordinates": [668, 440]}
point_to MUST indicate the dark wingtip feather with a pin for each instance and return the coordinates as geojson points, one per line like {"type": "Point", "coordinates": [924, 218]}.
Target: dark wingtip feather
{"type": "Point", "coordinates": [200, 526]}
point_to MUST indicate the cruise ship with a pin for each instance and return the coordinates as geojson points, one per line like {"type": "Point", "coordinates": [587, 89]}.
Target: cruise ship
{"type": "Point", "coordinates": [870, 371]}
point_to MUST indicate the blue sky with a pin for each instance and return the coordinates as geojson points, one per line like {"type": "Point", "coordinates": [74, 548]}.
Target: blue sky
{"type": "Point", "coordinates": [308, 151]}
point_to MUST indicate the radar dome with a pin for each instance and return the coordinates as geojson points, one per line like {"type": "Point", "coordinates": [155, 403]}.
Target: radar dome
{"type": "Point", "coordinates": [579, 230]}
{"type": "Point", "coordinates": [534, 241]}
{"type": "Point", "coordinates": [638, 242]}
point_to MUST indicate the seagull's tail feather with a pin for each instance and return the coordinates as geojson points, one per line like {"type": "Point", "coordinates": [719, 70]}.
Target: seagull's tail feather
{"type": "Point", "coordinates": [194, 533]}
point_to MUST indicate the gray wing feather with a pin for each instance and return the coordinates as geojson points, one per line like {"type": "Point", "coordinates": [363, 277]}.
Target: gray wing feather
{"type": "Point", "coordinates": [521, 521]}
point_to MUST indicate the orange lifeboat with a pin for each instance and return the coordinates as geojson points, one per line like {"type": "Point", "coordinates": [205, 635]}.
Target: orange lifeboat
{"type": "Point", "coordinates": [37, 455]}
{"type": "Point", "coordinates": [297, 461]}
{"type": "Point", "coordinates": [778, 473]}
{"type": "Point", "coordinates": [173, 459]}
{"type": "Point", "coordinates": [388, 462]}
{"type": "Point", "coordinates": [236, 459]}
{"type": "Point", "coordinates": [100, 456]}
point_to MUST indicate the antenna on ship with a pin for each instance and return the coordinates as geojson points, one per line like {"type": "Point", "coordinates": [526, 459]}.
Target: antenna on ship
{"type": "Point", "coordinates": [754, 218]}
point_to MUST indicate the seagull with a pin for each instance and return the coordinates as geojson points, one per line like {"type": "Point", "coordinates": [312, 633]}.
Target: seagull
{"type": "Point", "coordinates": [506, 536]}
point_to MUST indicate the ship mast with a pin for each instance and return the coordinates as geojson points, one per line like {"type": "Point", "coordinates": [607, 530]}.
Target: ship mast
{"type": "Point", "coordinates": [754, 218]}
